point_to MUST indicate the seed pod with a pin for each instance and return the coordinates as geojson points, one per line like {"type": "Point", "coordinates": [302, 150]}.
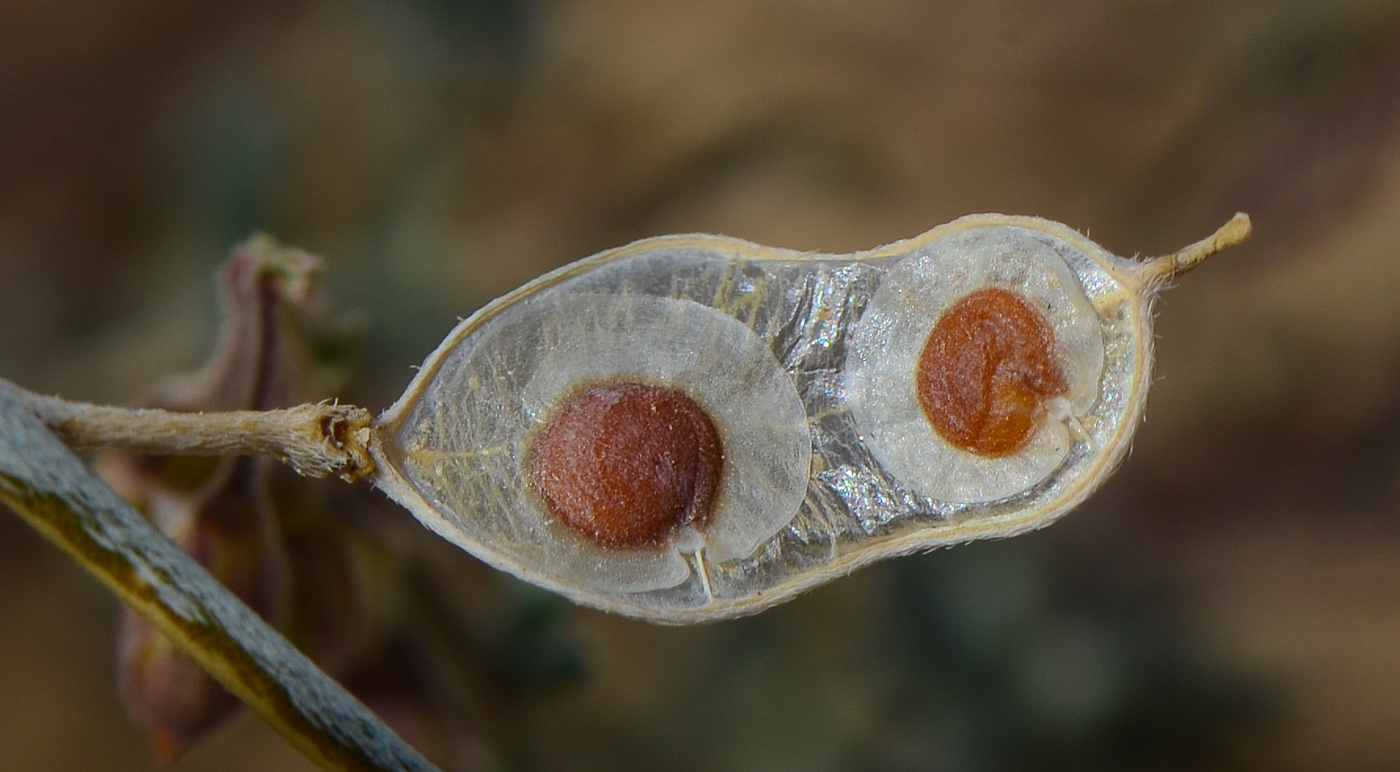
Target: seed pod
{"type": "Point", "coordinates": [696, 427]}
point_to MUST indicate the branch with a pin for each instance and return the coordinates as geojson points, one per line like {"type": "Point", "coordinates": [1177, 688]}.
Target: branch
{"type": "Point", "coordinates": [47, 485]}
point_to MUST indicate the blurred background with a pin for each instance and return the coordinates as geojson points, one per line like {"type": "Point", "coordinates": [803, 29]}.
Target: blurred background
{"type": "Point", "coordinates": [1231, 599]}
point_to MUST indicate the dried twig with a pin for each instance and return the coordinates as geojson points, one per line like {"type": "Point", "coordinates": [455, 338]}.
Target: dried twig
{"type": "Point", "coordinates": [46, 484]}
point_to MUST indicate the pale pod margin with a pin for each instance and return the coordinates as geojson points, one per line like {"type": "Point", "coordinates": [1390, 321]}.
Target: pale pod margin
{"type": "Point", "coordinates": [842, 505]}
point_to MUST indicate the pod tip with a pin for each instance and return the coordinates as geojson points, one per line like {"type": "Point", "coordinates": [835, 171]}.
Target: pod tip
{"type": "Point", "coordinates": [1159, 270]}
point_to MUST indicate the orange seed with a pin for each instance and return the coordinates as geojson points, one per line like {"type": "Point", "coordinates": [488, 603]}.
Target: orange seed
{"type": "Point", "coordinates": [986, 371]}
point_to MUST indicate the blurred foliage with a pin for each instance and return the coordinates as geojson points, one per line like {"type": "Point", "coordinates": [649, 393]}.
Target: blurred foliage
{"type": "Point", "coordinates": [1229, 601]}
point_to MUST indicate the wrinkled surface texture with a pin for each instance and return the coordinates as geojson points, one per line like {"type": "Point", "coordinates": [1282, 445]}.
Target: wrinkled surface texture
{"type": "Point", "coordinates": [986, 371]}
{"type": "Point", "coordinates": [1231, 600]}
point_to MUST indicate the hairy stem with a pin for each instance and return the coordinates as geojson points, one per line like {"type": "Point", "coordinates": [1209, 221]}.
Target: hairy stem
{"type": "Point", "coordinates": [317, 440]}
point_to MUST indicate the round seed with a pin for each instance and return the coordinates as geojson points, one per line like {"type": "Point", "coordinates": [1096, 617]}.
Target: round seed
{"type": "Point", "coordinates": [627, 464]}
{"type": "Point", "coordinates": [986, 371]}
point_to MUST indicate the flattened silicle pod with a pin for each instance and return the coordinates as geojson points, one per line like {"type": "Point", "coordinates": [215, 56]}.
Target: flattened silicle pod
{"type": "Point", "coordinates": [696, 427]}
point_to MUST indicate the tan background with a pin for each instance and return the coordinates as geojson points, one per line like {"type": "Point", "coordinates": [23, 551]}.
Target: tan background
{"type": "Point", "coordinates": [1230, 600]}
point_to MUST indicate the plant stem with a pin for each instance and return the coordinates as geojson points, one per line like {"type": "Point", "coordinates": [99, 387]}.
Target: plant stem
{"type": "Point", "coordinates": [317, 440]}
{"type": "Point", "coordinates": [45, 483]}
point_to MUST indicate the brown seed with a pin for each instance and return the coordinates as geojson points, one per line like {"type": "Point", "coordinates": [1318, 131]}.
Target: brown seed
{"type": "Point", "coordinates": [986, 371]}
{"type": "Point", "coordinates": [627, 464]}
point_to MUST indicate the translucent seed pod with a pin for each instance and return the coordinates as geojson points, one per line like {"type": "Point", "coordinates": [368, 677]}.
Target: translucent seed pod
{"type": "Point", "coordinates": [696, 427]}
